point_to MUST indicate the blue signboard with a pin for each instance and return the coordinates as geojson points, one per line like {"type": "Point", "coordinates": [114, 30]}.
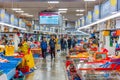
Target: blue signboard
{"type": "Point", "coordinates": [113, 4]}
{"type": "Point", "coordinates": [96, 13]}
{"type": "Point", "coordinates": [7, 18]}
{"type": "Point", "coordinates": [89, 18]}
{"type": "Point", "coordinates": [82, 21]}
{"type": "Point", "coordinates": [16, 22]}
{"type": "Point", "coordinates": [118, 5]}
{"type": "Point", "coordinates": [23, 24]}
{"type": "Point", "coordinates": [2, 15]}
{"type": "Point", "coordinates": [108, 8]}
{"type": "Point", "coordinates": [86, 19]}
{"type": "Point", "coordinates": [12, 19]}
{"type": "Point", "coordinates": [20, 22]}
{"type": "Point", "coordinates": [49, 18]}
{"type": "Point", "coordinates": [36, 27]}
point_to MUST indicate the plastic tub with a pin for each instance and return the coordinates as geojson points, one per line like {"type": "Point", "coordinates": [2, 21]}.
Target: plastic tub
{"type": "Point", "coordinates": [20, 78]}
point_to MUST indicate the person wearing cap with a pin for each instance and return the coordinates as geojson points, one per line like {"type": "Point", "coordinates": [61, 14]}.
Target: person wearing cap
{"type": "Point", "coordinates": [44, 47]}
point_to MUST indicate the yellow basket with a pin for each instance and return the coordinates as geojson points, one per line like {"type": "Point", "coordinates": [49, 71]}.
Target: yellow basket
{"type": "Point", "coordinates": [9, 50]}
{"type": "Point", "coordinates": [106, 33]}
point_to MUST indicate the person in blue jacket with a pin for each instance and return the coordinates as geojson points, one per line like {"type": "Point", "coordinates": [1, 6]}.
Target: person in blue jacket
{"type": "Point", "coordinates": [52, 43]}
{"type": "Point", "coordinates": [43, 47]}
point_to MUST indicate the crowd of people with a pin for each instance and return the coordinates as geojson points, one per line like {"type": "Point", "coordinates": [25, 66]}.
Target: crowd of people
{"type": "Point", "coordinates": [52, 44]}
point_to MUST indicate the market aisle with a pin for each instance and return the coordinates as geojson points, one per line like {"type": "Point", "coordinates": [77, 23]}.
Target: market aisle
{"type": "Point", "coordinates": [48, 70]}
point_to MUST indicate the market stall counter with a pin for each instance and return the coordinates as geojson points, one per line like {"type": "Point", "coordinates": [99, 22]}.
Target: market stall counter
{"type": "Point", "coordinates": [9, 68]}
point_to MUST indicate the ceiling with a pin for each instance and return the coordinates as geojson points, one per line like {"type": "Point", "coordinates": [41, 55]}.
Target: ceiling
{"type": "Point", "coordinates": [33, 7]}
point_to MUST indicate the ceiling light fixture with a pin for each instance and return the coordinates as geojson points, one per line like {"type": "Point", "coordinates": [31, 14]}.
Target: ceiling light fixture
{"type": "Point", "coordinates": [16, 9]}
{"type": "Point", "coordinates": [24, 14]}
{"type": "Point", "coordinates": [65, 19]}
{"type": "Point", "coordinates": [89, 0]}
{"type": "Point", "coordinates": [81, 10]}
{"type": "Point", "coordinates": [63, 9]}
{"type": "Point", "coordinates": [19, 11]}
{"type": "Point", "coordinates": [79, 14]}
{"type": "Point", "coordinates": [29, 15]}
{"type": "Point", "coordinates": [53, 2]}
{"type": "Point", "coordinates": [102, 20]}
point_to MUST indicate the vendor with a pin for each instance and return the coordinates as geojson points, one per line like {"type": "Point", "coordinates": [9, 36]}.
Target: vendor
{"type": "Point", "coordinates": [28, 59]}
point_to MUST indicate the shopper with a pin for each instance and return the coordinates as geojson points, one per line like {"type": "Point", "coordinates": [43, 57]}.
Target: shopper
{"type": "Point", "coordinates": [74, 42]}
{"type": "Point", "coordinates": [52, 46]}
{"type": "Point", "coordinates": [44, 47]}
{"type": "Point", "coordinates": [63, 43]}
{"type": "Point", "coordinates": [69, 41]}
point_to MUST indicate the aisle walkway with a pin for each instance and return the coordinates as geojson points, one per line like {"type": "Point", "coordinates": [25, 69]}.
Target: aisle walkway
{"type": "Point", "coordinates": [47, 70]}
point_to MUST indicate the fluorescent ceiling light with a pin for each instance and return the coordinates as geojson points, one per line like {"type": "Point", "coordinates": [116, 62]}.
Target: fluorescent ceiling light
{"type": "Point", "coordinates": [89, 0]}
{"type": "Point", "coordinates": [4, 24]}
{"type": "Point", "coordinates": [102, 20]}
{"type": "Point", "coordinates": [79, 14]}
{"type": "Point", "coordinates": [53, 2]}
{"type": "Point", "coordinates": [19, 11]}
{"type": "Point", "coordinates": [63, 9]}
{"type": "Point", "coordinates": [16, 9]}
{"type": "Point", "coordinates": [81, 10]}
{"type": "Point", "coordinates": [65, 19]}
{"type": "Point", "coordinates": [24, 14]}
{"type": "Point", "coordinates": [29, 15]}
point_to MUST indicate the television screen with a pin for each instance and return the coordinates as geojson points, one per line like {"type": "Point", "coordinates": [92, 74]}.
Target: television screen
{"type": "Point", "coordinates": [49, 18]}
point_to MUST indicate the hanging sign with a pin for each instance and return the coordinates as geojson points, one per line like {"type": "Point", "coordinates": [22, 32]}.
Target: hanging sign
{"type": "Point", "coordinates": [82, 21]}
{"type": "Point", "coordinates": [89, 18]}
{"type": "Point", "coordinates": [118, 5]}
{"type": "Point", "coordinates": [12, 19]}
{"type": "Point", "coordinates": [2, 15]}
{"type": "Point", "coordinates": [96, 13]}
{"type": "Point", "coordinates": [20, 22]}
{"type": "Point", "coordinates": [113, 4]}
{"type": "Point", "coordinates": [16, 23]}
{"type": "Point", "coordinates": [108, 8]}
{"type": "Point", "coordinates": [7, 18]}
{"type": "Point", "coordinates": [23, 24]}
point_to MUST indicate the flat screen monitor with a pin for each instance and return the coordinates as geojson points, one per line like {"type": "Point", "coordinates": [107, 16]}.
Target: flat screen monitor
{"type": "Point", "coordinates": [49, 18]}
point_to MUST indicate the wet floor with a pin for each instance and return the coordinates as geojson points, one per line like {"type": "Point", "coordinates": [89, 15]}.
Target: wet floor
{"type": "Point", "coordinates": [48, 70]}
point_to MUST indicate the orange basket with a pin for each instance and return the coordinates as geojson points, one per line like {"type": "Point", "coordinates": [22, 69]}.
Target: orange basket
{"type": "Point", "coordinates": [117, 32]}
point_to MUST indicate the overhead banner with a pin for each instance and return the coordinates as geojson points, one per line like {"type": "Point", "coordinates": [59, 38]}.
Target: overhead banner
{"type": "Point", "coordinates": [89, 18]}
{"type": "Point", "coordinates": [113, 4]}
{"type": "Point", "coordinates": [36, 27]}
{"type": "Point", "coordinates": [12, 19]}
{"type": "Point", "coordinates": [83, 21]}
{"type": "Point", "coordinates": [2, 15]}
{"type": "Point", "coordinates": [20, 22]}
{"type": "Point", "coordinates": [7, 18]}
{"type": "Point", "coordinates": [23, 24]}
{"type": "Point", "coordinates": [96, 13]}
{"type": "Point", "coordinates": [16, 22]}
{"type": "Point", "coordinates": [78, 23]}
{"type": "Point", "coordinates": [118, 3]}
{"type": "Point", "coordinates": [108, 8]}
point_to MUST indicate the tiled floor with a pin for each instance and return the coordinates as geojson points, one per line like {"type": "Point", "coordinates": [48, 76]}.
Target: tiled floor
{"type": "Point", "coordinates": [48, 70]}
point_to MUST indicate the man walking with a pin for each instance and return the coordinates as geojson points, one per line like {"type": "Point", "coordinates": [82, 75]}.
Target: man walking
{"type": "Point", "coordinates": [52, 46]}
{"type": "Point", "coordinates": [44, 47]}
